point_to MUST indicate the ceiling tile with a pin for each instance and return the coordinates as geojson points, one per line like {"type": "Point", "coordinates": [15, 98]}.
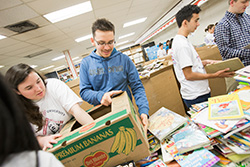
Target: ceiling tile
{"type": "Point", "coordinates": [35, 33]}
{"type": "Point", "coordinates": [47, 6]}
{"type": "Point", "coordinates": [16, 14]}
{"type": "Point", "coordinates": [9, 3]}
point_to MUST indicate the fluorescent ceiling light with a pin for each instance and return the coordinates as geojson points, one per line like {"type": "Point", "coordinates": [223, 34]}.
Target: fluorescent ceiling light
{"type": "Point", "coordinates": [69, 12]}
{"type": "Point", "coordinates": [1, 66]}
{"type": "Point", "coordinates": [2, 37]}
{"type": "Point", "coordinates": [58, 58]}
{"type": "Point", "coordinates": [77, 61]}
{"type": "Point", "coordinates": [75, 58]}
{"type": "Point", "coordinates": [121, 43]}
{"type": "Point", "coordinates": [134, 22]}
{"type": "Point", "coordinates": [47, 68]}
{"type": "Point", "coordinates": [127, 35]}
{"type": "Point", "coordinates": [57, 68]}
{"type": "Point", "coordinates": [33, 66]}
{"type": "Point", "coordinates": [83, 38]}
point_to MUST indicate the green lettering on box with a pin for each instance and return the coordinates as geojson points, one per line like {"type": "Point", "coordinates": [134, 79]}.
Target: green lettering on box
{"type": "Point", "coordinates": [93, 139]}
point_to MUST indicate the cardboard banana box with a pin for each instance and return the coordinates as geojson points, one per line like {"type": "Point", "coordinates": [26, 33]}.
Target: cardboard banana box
{"type": "Point", "coordinates": [116, 136]}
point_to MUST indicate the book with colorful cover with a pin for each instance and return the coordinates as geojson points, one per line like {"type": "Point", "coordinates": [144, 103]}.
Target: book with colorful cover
{"type": "Point", "coordinates": [164, 121]}
{"type": "Point", "coordinates": [244, 96]}
{"type": "Point", "coordinates": [221, 125]}
{"type": "Point", "coordinates": [210, 132]}
{"type": "Point", "coordinates": [237, 147]}
{"type": "Point", "coordinates": [199, 106]}
{"type": "Point", "coordinates": [158, 163]}
{"type": "Point", "coordinates": [225, 107]}
{"type": "Point", "coordinates": [242, 78]}
{"type": "Point", "coordinates": [190, 138]}
{"type": "Point", "coordinates": [201, 157]}
{"type": "Point", "coordinates": [244, 71]}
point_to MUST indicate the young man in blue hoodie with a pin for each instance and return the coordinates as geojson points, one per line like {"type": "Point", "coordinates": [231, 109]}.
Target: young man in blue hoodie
{"type": "Point", "coordinates": [106, 72]}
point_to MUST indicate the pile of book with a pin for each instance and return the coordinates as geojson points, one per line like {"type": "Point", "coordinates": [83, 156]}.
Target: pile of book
{"type": "Point", "coordinates": [216, 134]}
{"type": "Point", "coordinates": [243, 76]}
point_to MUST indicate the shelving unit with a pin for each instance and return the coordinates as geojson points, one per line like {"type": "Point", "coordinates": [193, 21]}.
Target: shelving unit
{"type": "Point", "coordinates": [134, 53]}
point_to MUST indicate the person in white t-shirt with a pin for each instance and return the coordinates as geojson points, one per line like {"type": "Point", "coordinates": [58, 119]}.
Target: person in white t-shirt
{"type": "Point", "coordinates": [19, 146]}
{"type": "Point", "coordinates": [209, 38]}
{"type": "Point", "coordinates": [188, 66]}
{"type": "Point", "coordinates": [49, 104]}
{"type": "Point", "coordinates": [161, 52]}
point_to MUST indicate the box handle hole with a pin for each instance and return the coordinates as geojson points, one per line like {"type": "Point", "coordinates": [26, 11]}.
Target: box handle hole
{"type": "Point", "coordinates": [108, 123]}
{"type": "Point", "coordinates": [64, 144]}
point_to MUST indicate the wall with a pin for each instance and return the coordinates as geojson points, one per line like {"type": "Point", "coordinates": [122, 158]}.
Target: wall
{"type": "Point", "coordinates": [212, 12]}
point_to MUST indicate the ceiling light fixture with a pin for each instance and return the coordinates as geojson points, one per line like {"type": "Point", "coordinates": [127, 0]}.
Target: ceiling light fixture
{"type": "Point", "coordinates": [33, 66]}
{"type": "Point", "coordinates": [127, 35]}
{"type": "Point", "coordinates": [1, 66]}
{"type": "Point", "coordinates": [47, 68]}
{"type": "Point", "coordinates": [58, 58]}
{"type": "Point", "coordinates": [60, 67]}
{"type": "Point", "coordinates": [75, 58]}
{"type": "Point", "coordinates": [69, 12]}
{"type": "Point", "coordinates": [121, 43]}
{"type": "Point", "coordinates": [134, 22]}
{"type": "Point", "coordinates": [83, 38]}
{"type": "Point", "coordinates": [2, 37]}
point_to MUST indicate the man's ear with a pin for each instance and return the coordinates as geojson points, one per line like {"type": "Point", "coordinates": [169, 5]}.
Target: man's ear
{"type": "Point", "coordinates": [92, 41]}
{"type": "Point", "coordinates": [184, 23]}
{"type": "Point", "coordinates": [231, 2]}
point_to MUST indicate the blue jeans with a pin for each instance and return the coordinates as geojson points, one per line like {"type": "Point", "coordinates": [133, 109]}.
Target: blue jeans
{"type": "Point", "coordinates": [197, 100]}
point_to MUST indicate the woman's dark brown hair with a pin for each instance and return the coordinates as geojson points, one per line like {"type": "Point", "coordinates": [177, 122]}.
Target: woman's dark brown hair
{"type": "Point", "coordinates": [16, 75]}
{"type": "Point", "coordinates": [16, 133]}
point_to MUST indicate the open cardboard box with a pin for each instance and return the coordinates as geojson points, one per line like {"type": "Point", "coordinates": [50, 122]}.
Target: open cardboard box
{"type": "Point", "coordinates": [116, 136]}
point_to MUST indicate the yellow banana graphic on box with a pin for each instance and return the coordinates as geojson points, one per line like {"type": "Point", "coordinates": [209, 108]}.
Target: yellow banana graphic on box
{"type": "Point", "coordinates": [116, 142]}
{"type": "Point", "coordinates": [125, 141]}
{"type": "Point", "coordinates": [134, 137]}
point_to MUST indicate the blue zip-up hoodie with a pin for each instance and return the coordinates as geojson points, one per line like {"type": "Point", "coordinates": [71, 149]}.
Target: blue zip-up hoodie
{"type": "Point", "coordinates": [99, 75]}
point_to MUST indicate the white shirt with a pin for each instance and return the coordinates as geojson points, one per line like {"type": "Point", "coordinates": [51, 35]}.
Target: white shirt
{"type": "Point", "coordinates": [209, 39]}
{"type": "Point", "coordinates": [185, 55]}
{"type": "Point", "coordinates": [161, 53]}
{"type": "Point", "coordinates": [54, 106]}
{"type": "Point", "coordinates": [28, 159]}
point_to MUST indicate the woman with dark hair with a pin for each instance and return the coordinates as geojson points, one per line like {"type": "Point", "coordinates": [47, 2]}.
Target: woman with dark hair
{"type": "Point", "coordinates": [19, 146]}
{"type": "Point", "coordinates": [49, 104]}
{"type": "Point", "coordinates": [209, 39]}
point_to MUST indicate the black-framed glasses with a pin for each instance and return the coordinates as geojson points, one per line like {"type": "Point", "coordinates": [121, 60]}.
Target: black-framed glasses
{"type": "Point", "coordinates": [110, 43]}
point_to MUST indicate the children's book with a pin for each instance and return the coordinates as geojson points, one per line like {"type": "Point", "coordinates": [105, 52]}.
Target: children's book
{"type": "Point", "coordinates": [244, 96]}
{"type": "Point", "coordinates": [225, 107]}
{"type": "Point", "coordinates": [233, 63]}
{"type": "Point", "coordinates": [242, 78]}
{"type": "Point", "coordinates": [244, 71]}
{"type": "Point", "coordinates": [190, 138]}
{"type": "Point", "coordinates": [164, 121]}
{"type": "Point", "coordinates": [201, 157]}
{"type": "Point", "coordinates": [221, 125]}
{"type": "Point", "coordinates": [238, 157]}
{"type": "Point", "coordinates": [158, 163]}
{"type": "Point", "coordinates": [210, 132]}
{"type": "Point", "coordinates": [199, 106]}
{"type": "Point", "coordinates": [238, 129]}
{"type": "Point", "coordinates": [237, 147]}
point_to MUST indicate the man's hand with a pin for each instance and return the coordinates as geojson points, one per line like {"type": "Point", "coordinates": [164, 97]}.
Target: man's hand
{"type": "Point", "coordinates": [144, 119]}
{"type": "Point", "coordinates": [224, 73]}
{"type": "Point", "coordinates": [47, 141]}
{"type": "Point", "coordinates": [106, 98]}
